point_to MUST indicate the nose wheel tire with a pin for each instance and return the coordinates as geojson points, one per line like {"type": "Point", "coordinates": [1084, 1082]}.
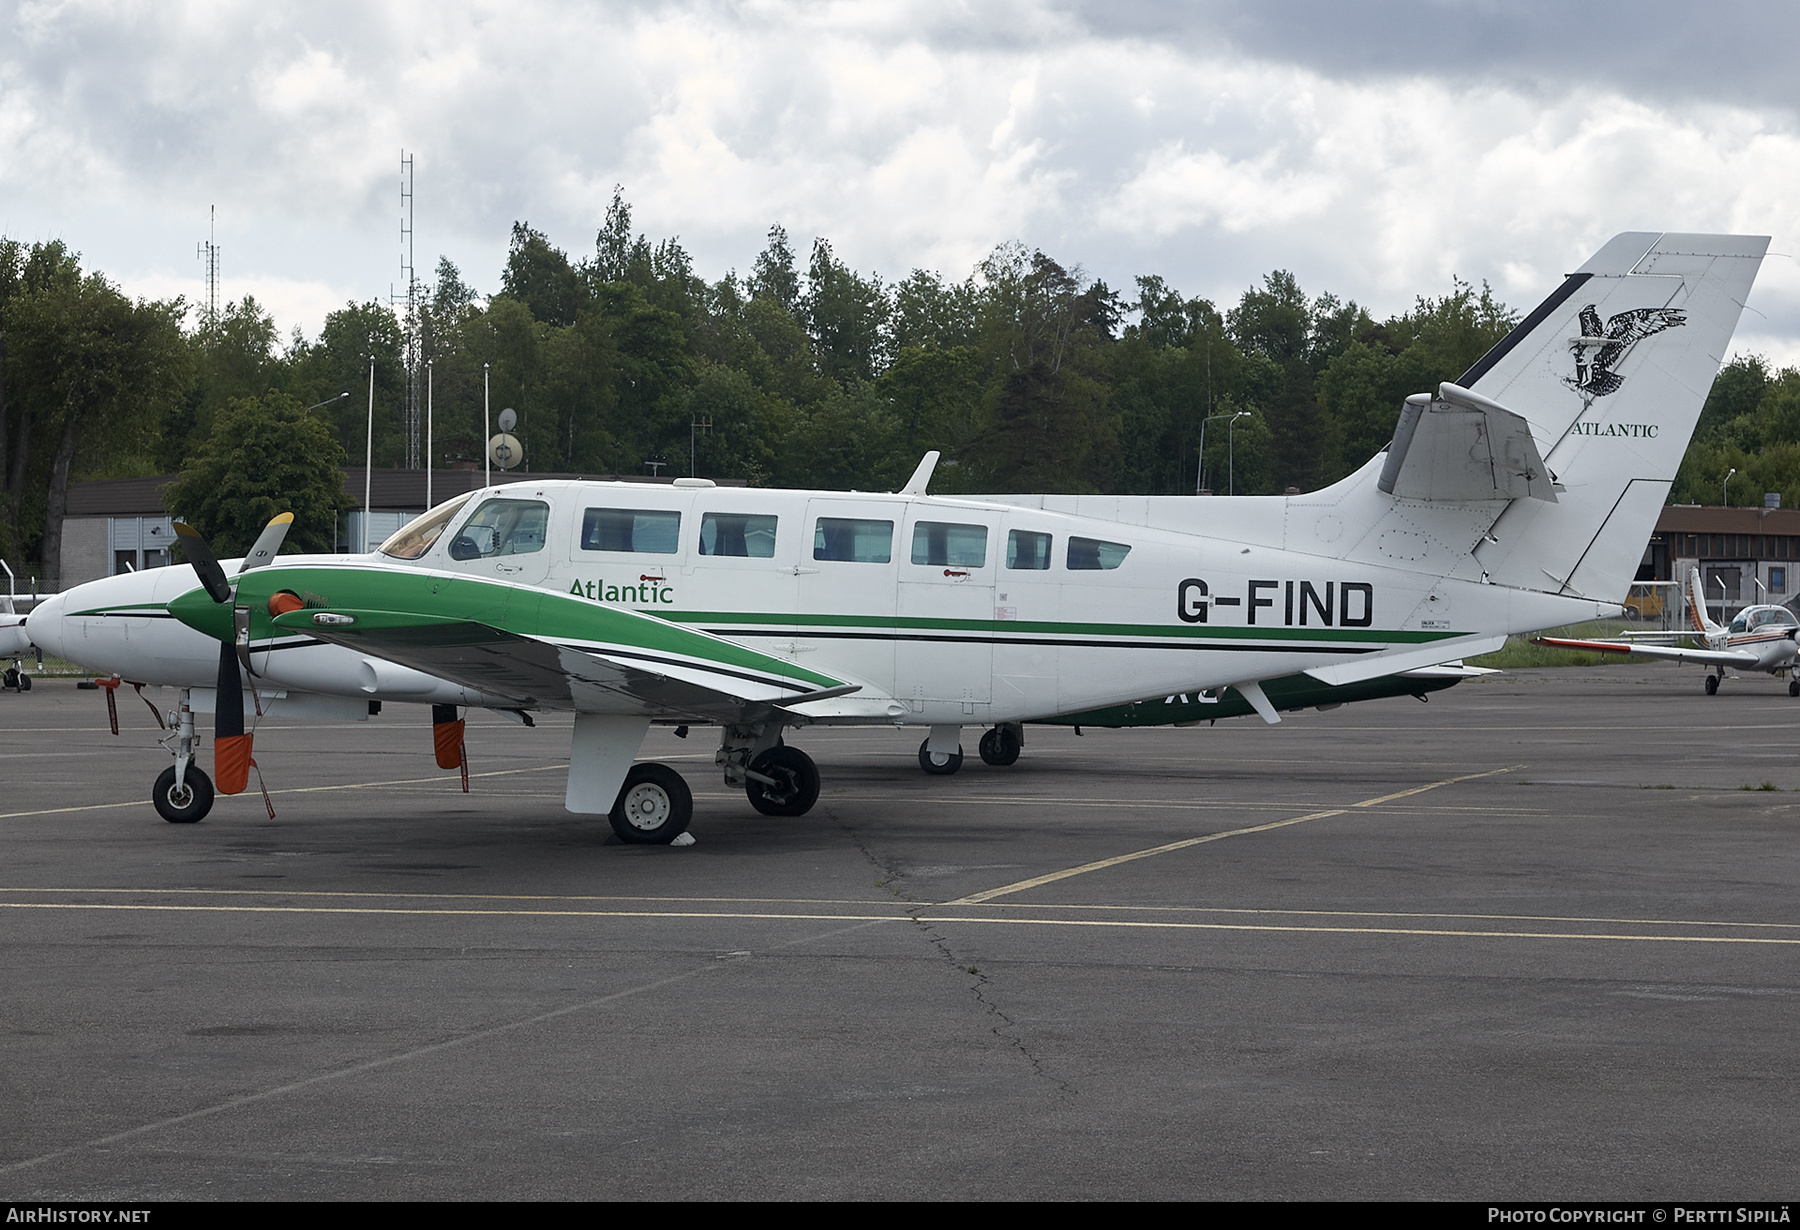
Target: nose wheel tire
{"type": "Point", "coordinates": [999, 746]}
{"type": "Point", "coordinates": [654, 806]}
{"type": "Point", "coordinates": [939, 765]}
{"type": "Point", "coordinates": [797, 779]}
{"type": "Point", "coordinates": [185, 803]}
{"type": "Point", "coordinates": [1794, 687]}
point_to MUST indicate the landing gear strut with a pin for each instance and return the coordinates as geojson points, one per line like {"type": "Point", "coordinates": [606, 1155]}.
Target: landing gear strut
{"type": "Point", "coordinates": [783, 781]}
{"type": "Point", "coordinates": [183, 794]}
{"type": "Point", "coordinates": [777, 779]}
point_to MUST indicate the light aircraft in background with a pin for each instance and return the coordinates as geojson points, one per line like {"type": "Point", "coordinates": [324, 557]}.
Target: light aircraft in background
{"type": "Point", "coordinates": [15, 643]}
{"type": "Point", "coordinates": [1516, 499]}
{"type": "Point", "coordinates": [1759, 638]}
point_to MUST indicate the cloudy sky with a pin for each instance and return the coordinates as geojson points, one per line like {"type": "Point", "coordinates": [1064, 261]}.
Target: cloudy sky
{"type": "Point", "coordinates": [1376, 149]}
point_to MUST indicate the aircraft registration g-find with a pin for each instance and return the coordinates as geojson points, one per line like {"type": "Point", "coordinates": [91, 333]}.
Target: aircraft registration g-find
{"type": "Point", "coordinates": [1515, 499]}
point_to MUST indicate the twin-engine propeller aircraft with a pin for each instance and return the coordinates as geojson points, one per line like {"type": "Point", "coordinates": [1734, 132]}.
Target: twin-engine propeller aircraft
{"type": "Point", "coordinates": [1759, 638]}
{"type": "Point", "coordinates": [1515, 499]}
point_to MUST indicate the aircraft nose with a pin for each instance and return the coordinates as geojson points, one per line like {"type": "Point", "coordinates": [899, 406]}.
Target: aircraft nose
{"type": "Point", "coordinates": [45, 625]}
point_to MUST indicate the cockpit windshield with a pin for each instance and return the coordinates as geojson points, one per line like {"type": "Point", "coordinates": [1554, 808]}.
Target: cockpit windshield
{"type": "Point", "coordinates": [415, 537]}
{"type": "Point", "coordinates": [1772, 617]}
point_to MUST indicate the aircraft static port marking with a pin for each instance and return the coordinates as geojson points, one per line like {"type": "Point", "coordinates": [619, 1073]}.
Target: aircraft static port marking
{"type": "Point", "coordinates": [1051, 878]}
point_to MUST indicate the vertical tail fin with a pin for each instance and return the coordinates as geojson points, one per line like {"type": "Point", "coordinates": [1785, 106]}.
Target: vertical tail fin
{"type": "Point", "coordinates": [1697, 615]}
{"type": "Point", "coordinates": [1610, 372]}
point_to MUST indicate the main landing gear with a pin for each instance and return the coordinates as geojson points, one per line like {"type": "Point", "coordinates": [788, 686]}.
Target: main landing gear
{"type": "Point", "coordinates": [1712, 685]}
{"type": "Point", "coordinates": [14, 677]}
{"type": "Point", "coordinates": [654, 807]}
{"type": "Point", "coordinates": [1000, 746]}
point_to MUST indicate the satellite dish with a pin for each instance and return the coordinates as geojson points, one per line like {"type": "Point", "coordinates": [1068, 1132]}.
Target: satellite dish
{"type": "Point", "coordinates": [505, 451]}
{"type": "Point", "coordinates": [508, 419]}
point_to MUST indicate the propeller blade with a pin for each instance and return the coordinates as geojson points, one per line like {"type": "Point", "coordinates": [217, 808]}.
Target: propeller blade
{"type": "Point", "coordinates": [268, 543]}
{"type": "Point", "coordinates": [206, 564]}
{"type": "Point", "coordinates": [231, 746]}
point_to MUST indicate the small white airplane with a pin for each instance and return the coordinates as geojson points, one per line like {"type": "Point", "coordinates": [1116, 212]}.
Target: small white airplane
{"type": "Point", "coordinates": [1516, 499]}
{"type": "Point", "coordinates": [1759, 638]}
{"type": "Point", "coordinates": [15, 643]}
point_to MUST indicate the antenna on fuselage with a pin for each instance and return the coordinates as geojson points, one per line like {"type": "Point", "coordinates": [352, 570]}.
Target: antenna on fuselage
{"type": "Point", "coordinates": [921, 477]}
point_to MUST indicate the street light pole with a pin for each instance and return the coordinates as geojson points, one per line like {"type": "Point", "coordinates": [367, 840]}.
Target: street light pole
{"type": "Point", "coordinates": [487, 472]}
{"type": "Point", "coordinates": [369, 457]}
{"type": "Point", "coordinates": [428, 433]}
{"type": "Point", "coordinates": [1725, 488]}
{"type": "Point", "coordinates": [1231, 452]}
{"type": "Point", "coordinates": [1200, 474]}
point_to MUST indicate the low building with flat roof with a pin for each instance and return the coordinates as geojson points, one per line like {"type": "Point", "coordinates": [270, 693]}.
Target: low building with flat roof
{"type": "Point", "coordinates": [120, 524]}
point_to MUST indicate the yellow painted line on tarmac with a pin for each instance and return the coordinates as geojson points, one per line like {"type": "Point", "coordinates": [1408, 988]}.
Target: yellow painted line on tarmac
{"type": "Point", "coordinates": [923, 917]}
{"type": "Point", "coordinates": [910, 909]}
{"type": "Point", "coordinates": [1116, 860]}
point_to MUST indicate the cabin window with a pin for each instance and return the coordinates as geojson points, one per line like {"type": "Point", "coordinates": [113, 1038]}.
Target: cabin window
{"type": "Point", "coordinates": [852, 541]}
{"type": "Point", "coordinates": [642, 531]}
{"type": "Point", "coordinates": [502, 527]}
{"type": "Point", "coordinates": [1028, 550]}
{"type": "Point", "coordinates": [1090, 554]}
{"type": "Point", "coordinates": [741, 534]}
{"type": "Point", "coordinates": [945, 544]}
{"type": "Point", "coordinates": [1740, 624]}
{"type": "Point", "coordinates": [1778, 580]}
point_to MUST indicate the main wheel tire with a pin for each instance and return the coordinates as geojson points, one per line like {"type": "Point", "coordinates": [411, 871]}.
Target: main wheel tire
{"type": "Point", "coordinates": [185, 804]}
{"type": "Point", "coordinates": [1794, 687]}
{"type": "Point", "coordinates": [1712, 684]}
{"type": "Point", "coordinates": [654, 806]}
{"type": "Point", "coordinates": [939, 766]}
{"type": "Point", "coordinates": [798, 777]}
{"type": "Point", "coordinates": [1000, 746]}
{"type": "Point", "coordinates": [24, 682]}
{"type": "Point", "coordinates": [9, 678]}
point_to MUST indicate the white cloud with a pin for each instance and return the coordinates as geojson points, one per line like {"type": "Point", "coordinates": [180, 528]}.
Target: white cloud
{"type": "Point", "coordinates": [908, 134]}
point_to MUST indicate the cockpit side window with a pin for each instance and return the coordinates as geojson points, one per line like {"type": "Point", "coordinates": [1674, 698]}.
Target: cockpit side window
{"type": "Point", "coordinates": [1740, 624]}
{"type": "Point", "coordinates": [502, 527]}
{"type": "Point", "coordinates": [416, 537]}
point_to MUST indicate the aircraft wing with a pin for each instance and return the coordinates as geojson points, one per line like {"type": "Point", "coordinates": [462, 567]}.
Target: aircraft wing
{"type": "Point", "coordinates": [1710, 657]}
{"type": "Point", "coordinates": [535, 648]}
{"type": "Point", "coordinates": [537, 671]}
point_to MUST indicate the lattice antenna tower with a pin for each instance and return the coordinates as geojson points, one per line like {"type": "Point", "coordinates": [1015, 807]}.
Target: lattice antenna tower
{"type": "Point", "coordinates": [415, 325]}
{"type": "Point", "coordinates": [207, 252]}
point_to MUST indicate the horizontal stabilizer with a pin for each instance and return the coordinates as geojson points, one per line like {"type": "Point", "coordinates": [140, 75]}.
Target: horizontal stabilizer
{"type": "Point", "coordinates": [1462, 447]}
{"type": "Point", "coordinates": [1374, 665]}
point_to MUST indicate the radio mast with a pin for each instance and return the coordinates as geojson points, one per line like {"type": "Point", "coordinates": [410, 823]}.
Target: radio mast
{"type": "Point", "coordinates": [207, 252]}
{"type": "Point", "coordinates": [414, 325]}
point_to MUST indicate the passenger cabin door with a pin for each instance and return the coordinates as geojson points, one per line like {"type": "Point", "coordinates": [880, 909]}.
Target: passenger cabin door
{"type": "Point", "coordinates": [946, 606]}
{"type": "Point", "coordinates": [845, 586]}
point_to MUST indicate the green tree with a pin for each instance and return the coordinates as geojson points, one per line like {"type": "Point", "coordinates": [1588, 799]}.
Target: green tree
{"type": "Point", "coordinates": [265, 455]}
{"type": "Point", "coordinates": [94, 371]}
{"type": "Point", "coordinates": [540, 276]}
